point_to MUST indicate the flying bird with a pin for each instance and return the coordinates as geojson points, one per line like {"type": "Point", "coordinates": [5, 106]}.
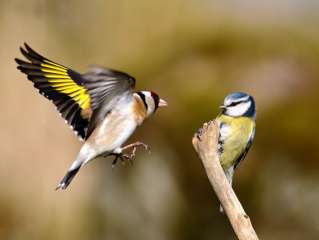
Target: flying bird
{"type": "Point", "coordinates": [100, 106]}
{"type": "Point", "coordinates": [236, 131]}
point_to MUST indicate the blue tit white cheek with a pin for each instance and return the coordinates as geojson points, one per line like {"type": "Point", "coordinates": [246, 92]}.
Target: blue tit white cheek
{"type": "Point", "coordinates": [239, 109]}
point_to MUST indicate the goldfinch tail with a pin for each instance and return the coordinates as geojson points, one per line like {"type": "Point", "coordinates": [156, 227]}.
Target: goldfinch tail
{"type": "Point", "coordinates": [67, 179]}
{"type": "Point", "coordinates": [86, 154]}
{"type": "Point", "coordinates": [73, 170]}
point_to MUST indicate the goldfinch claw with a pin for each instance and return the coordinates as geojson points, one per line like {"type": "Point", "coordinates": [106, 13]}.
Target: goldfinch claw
{"type": "Point", "coordinates": [129, 157]}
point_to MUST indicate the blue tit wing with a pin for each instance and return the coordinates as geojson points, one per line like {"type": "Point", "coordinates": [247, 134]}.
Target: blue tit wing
{"type": "Point", "coordinates": [243, 155]}
{"type": "Point", "coordinates": [106, 87]}
{"type": "Point", "coordinates": [61, 85]}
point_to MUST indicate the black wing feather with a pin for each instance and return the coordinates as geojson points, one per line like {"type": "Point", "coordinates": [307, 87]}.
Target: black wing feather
{"type": "Point", "coordinates": [69, 108]}
{"type": "Point", "coordinates": [105, 86]}
{"type": "Point", "coordinates": [99, 87]}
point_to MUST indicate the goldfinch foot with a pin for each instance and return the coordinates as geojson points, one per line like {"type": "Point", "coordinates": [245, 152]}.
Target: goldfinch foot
{"type": "Point", "coordinates": [129, 157]}
{"type": "Point", "coordinates": [122, 157]}
{"type": "Point", "coordinates": [135, 146]}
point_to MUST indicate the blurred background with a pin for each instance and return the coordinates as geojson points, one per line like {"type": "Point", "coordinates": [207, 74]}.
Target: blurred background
{"type": "Point", "coordinates": [192, 53]}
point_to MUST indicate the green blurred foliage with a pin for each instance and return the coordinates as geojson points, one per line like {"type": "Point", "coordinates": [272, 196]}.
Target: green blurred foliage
{"type": "Point", "coordinates": [192, 53]}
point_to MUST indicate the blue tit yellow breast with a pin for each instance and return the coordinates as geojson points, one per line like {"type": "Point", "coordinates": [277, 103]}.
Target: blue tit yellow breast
{"type": "Point", "coordinates": [235, 134]}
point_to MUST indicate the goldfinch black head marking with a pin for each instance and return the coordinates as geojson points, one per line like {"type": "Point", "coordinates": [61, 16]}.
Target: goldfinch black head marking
{"type": "Point", "coordinates": [151, 101]}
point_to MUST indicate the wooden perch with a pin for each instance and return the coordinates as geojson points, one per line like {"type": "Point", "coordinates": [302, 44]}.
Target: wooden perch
{"type": "Point", "coordinates": [205, 143]}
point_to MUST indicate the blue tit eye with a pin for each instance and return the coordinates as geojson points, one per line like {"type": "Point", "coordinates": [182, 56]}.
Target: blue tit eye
{"type": "Point", "coordinates": [233, 104]}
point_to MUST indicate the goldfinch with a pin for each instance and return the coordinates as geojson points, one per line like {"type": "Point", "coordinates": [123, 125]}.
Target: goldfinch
{"type": "Point", "coordinates": [100, 106]}
{"type": "Point", "coordinates": [237, 131]}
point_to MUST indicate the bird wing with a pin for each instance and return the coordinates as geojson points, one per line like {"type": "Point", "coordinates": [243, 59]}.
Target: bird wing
{"type": "Point", "coordinates": [106, 87]}
{"type": "Point", "coordinates": [63, 86]}
{"type": "Point", "coordinates": [243, 155]}
{"type": "Point", "coordinates": [83, 100]}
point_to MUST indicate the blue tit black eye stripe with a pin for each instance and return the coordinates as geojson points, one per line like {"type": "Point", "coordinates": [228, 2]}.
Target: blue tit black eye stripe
{"type": "Point", "coordinates": [238, 102]}
{"type": "Point", "coordinates": [233, 104]}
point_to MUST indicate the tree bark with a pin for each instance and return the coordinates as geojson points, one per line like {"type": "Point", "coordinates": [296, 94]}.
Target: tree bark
{"type": "Point", "coordinates": [205, 143]}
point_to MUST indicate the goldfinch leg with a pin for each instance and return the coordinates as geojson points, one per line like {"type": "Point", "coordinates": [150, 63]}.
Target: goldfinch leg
{"type": "Point", "coordinates": [117, 157]}
{"type": "Point", "coordinates": [115, 160]}
{"type": "Point", "coordinates": [127, 157]}
{"type": "Point", "coordinates": [122, 157]}
{"type": "Point", "coordinates": [130, 157]}
{"type": "Point", "coordinates": [135, 145]}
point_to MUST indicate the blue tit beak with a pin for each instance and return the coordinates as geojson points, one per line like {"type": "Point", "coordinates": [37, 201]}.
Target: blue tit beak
{"type": "Point", "coordinates": [222, 107]}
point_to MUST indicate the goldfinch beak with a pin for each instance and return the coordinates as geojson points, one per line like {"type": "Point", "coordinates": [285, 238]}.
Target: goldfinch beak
{"type": "Point", "coordinates": [162, 103]}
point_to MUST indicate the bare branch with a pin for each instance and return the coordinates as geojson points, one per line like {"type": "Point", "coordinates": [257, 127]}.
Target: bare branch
{"type": "Point", "coordinates": [205, 143]}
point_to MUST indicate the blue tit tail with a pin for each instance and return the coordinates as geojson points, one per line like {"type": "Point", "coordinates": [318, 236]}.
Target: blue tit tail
{"type": "Point", "coordinates": [229, 173]}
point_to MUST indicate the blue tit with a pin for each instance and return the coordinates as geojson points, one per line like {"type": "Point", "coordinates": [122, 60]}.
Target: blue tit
{"type": "Point", "coordinates": [237, 130]}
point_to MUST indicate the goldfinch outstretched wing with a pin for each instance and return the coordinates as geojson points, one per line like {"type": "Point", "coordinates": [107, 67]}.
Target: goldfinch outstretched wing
{"type": "Point", "coordinates": [63, 86]}
{"type": "Point", "coordinates": [82, 100]}
{"type": "Point", "coordinates": [106, 87]}
{"type": "Point", "coordinates": [104, 84]}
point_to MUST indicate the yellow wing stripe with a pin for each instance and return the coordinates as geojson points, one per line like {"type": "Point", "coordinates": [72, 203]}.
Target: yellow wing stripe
{"type": "Point", "coordinates": [63, 84]}
{"type": "Point", "coordinates": [79, 97]}
{"type": "Point", "coordinates": [70, 91]}
{"type": "Point", "coordinates": [60, 69]}
{"type": "Point", "coordinates": [54, 71]}
{"type": "Point", "coordinates": [84, 100]}
{"type": "Point", "coordinates": [57, 75]}
{"type": "Point", "coordinates": [78, 93]}
{"type": "Point", "coordinates": [52, 64]}
{"type": "Point", "coordinates": [56, 81]}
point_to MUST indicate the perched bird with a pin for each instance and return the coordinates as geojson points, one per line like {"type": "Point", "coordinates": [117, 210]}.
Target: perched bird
{"type": "Point", "coordinates": [237, 131]}
{"type": "Point", "coordinates": [100, 106]}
